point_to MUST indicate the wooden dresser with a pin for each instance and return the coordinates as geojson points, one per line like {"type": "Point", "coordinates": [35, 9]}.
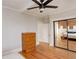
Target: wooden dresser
{"type": "Point", "coordinates": [28, 42]}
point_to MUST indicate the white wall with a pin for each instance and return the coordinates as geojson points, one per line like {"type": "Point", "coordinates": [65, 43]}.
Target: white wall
{"type": "Point", "coordinates": [14, 24]}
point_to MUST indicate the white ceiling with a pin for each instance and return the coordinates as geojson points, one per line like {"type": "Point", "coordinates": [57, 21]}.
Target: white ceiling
{"type": "Point", "coordinates": [22, 5]}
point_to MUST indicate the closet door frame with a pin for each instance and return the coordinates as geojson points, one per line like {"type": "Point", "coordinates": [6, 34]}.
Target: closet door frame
{"type": "Point", "coordinates": [67, 34]}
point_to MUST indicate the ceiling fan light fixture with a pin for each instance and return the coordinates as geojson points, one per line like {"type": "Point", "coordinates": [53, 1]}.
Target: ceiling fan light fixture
{"type": "Point", "coordinates": [42, 9]}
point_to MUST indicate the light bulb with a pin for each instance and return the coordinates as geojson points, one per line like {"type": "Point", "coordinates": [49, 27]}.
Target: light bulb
{"type": "Point", "coordinates": [42, 9]}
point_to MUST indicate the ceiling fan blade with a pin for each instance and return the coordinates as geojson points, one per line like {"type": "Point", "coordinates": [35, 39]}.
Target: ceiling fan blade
{"type": "Point", "coordinates": [48, 1]}
{"type": "Point", "coordinates": [51, 6]}
{"type": "Point", "coordinates": [32, 8]}
{"type": "Point", "coordinates": [36, 2]}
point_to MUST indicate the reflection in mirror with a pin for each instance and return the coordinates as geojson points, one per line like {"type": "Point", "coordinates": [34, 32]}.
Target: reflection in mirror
{"type": "Point", "coordinates": [72, 34]}
{"type": "Point", "coordinates": [61, 34]}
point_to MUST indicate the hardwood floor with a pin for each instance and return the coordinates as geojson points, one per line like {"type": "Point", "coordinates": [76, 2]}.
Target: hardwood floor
{"type": "Point", "coordinates": [43, 51]}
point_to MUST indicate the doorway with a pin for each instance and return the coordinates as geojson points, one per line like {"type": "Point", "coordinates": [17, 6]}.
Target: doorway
{"type": "Point", "coordinates": [65, 34]}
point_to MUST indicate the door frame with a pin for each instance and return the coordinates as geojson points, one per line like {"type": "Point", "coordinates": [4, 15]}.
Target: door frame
{"type": "Point", "coordinates": [67, 34]}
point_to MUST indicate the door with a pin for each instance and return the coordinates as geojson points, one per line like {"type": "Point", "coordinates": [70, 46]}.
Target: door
{"type": "Point", "coordinates": [65, 34]}
{"type": "Point", "coordinates": [72, 34]}
{"type": "Point", "coordinates": [61, 34]}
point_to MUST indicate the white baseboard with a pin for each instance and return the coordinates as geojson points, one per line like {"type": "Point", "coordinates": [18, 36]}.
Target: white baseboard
{"type": "Point", "coordinates": [11, 51]}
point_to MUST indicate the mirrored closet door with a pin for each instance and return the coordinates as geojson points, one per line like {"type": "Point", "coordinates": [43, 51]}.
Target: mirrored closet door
{"type": "Point", "coordinates": [60, 34]}
{"type": "Point", "coordinates": [72, 34]}
{"type": "Point", "coordinates": [65, 34]}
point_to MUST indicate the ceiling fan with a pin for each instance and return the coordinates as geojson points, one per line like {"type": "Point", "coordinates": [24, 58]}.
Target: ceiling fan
{"type": "Point", "coordinates": [42, 5]}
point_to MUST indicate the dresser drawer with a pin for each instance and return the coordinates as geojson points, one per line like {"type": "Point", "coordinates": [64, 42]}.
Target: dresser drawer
{"type": "Point", "coordinates": [28, 38]}
{"type": "Point", "coordinates": [28, 42]}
